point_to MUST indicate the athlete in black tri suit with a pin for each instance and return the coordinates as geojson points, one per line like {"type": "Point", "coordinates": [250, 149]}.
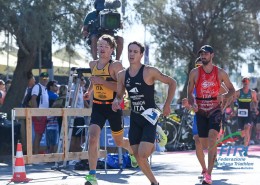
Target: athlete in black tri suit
{"type": "Point", "coordinates": [246, 98]}
{"type": "Point", "coordinates": [139, 81]}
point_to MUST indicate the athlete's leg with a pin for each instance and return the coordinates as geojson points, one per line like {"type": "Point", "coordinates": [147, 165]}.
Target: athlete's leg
{"type": "Point", "coordinates": [94, 134]}
{"type": "Point", "coordinates": [198, 146]}
{"type": "Point", "coordinates": [142, 137]}
{"type": "Point", "coordinates": [247, 128]}
{"type": "Point", "coordinates": [199, 152]}
{"type": "Point", "coordinates": [123, 142]}
{"type": "Point", "coordinates": [212, 149]}
{"type": "Point", "coordinates": [141, 153]}
{"type": "Point", "coordinates": [214, 129]}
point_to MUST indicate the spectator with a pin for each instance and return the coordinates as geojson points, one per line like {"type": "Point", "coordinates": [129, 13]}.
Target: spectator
{"type": "Point", "coordinates": [40, 99]}
{"type": "Point", "coordinates": [28, 91]}
{"type": "Point", "coordinates": [8, 84]}
{"type": "Point", "coordinates": [52, 88]}
{"type": "Point", "coordinates": [60, 102]}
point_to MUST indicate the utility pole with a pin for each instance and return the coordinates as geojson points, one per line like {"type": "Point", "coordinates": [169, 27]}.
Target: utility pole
{"type": "Point", "coordinates": [8, 52]}
{"type": "Point", "coordinates": [40, 57]}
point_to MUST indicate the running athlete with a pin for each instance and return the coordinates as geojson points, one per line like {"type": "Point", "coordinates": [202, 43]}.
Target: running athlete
{"type": "Point", "coordinates": [198, 146]}
{"type": "Point", "coordinates": [208, 102]}
{"type": "Point", "coordinates": [257, 134]}
{"type": "Point", "coordinates": [139, 81]}
{"type": "Point", "coordinates": [104, 86]}
{"type": "Point", "coordinates": [246, 98]}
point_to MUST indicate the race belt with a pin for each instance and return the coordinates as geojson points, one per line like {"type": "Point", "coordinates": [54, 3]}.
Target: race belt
{"type": "Point", "coordinates": [152, 115]}
{"type": "Point", "coordinates": [102, 102]}
{"type": "Point", "coordinates": [242, 112]}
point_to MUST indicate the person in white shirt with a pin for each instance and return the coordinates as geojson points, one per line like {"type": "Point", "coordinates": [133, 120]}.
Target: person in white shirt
{"type": "Point", "coordinates": [39, 99]}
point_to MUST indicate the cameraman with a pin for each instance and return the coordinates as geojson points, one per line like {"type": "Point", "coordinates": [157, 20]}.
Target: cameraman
{"type": "Point", "coordinates": [91, 30]}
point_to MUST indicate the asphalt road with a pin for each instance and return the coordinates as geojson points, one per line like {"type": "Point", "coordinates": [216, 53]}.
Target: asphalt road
{"type": "Point", "coordinates": [170, 168]}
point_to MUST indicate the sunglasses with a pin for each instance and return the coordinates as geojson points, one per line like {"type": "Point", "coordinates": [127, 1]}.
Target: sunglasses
{"type": "Point", "coordinates": [245, 80]}
{"type": "Point", "coordinates": [198, 65]}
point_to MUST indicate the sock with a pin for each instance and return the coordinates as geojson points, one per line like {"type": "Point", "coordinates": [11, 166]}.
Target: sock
{"type": "Point", "coordinates": [92, 172]}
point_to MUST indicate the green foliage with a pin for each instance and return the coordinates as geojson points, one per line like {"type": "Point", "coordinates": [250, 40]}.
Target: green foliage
{"type": "Point", "coordinates": [34, 24]}
{"type": "Point", "coordinates": [181, 27]}
{"type": "Point", "coordinates": [34, 20]}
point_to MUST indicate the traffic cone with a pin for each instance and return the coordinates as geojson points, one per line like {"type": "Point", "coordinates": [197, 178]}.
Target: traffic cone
{"type": "Point", "coordinates": [19, 168]}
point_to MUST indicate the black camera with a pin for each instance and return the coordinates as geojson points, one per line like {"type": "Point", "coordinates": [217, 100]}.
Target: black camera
{"type": "Point", "coordinates": [109, 19]}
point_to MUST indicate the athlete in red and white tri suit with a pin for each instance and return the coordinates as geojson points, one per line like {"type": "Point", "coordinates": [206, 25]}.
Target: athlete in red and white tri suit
{"type": "Point", "coordinates": [208, 102]}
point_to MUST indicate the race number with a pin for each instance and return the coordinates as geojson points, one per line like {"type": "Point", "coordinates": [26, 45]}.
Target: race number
{"type": "Point", "coordinates": [242, 112]}
{"type": "Point", "coordinates": [151, 115]}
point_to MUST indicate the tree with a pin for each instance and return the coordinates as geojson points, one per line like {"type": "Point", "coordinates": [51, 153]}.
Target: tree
{"type": "Point", "coordinates": [181, 27]}
{"type": "Point", "coordinates": [253, 7]}
{"type": "Point", "coordinates": [32, 22]}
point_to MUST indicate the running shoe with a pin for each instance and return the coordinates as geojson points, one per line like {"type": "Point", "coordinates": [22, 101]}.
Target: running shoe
{"type": "Point", "coordinates": [207, 179]}
{"type": "Point", "coordinates": [155, 184]}
{"type": "Point", "coordinates": [161, 137]}
{"type": "Point", "coordinates": [91, 180]}
{"type": "Point", "coordinates": [134, 163]}
{"type": "Point", "coordinates": [201, 176]}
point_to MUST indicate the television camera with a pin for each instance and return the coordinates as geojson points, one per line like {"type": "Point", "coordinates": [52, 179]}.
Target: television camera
{"type": "Point", "coordinates": [108, 20]}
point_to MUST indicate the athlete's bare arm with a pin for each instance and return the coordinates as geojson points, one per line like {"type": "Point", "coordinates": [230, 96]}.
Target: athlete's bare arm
{"type": "Point", "coordinates": [114, 68]}
{"type": "Point", "coordinates": [254, 101]}
{"type": "Point", "coordinates": [90, 87]}
{"type": "Point", "coordinates": [120, 90]}
{"type": "Point", "coordinates": [237, 94]}
{"type": "Point", "coordinates": [152, 74]}
{"type": "Point", "coordinates": [225, 78]}
{"type": "Point", "coordinates": [223, 89]}
{"type": "Point", "coordinates": [191, 85]}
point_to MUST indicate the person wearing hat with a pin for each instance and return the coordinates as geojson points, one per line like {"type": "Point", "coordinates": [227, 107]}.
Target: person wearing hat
{"type": "Point", "coordinates": [39, 99]}
{"type": "Point", "coordinates": [208, 102]}
{"type": "Point", "coordinates": [198, 146]}
{"type": "Point", "coordinates": [247, 101]}
{"type": "Point", "coordinates": [90, 30]}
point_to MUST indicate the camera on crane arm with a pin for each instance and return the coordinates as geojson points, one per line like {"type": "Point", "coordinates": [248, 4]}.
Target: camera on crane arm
{"type": "Point", "coordinates": [110, 19]}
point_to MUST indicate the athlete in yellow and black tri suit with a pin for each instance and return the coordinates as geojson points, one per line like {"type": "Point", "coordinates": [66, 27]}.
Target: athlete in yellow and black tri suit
{"type": "Point", "coordinates": [103, 84]}
{"type": "Point", "coordinates": [102, 100]}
